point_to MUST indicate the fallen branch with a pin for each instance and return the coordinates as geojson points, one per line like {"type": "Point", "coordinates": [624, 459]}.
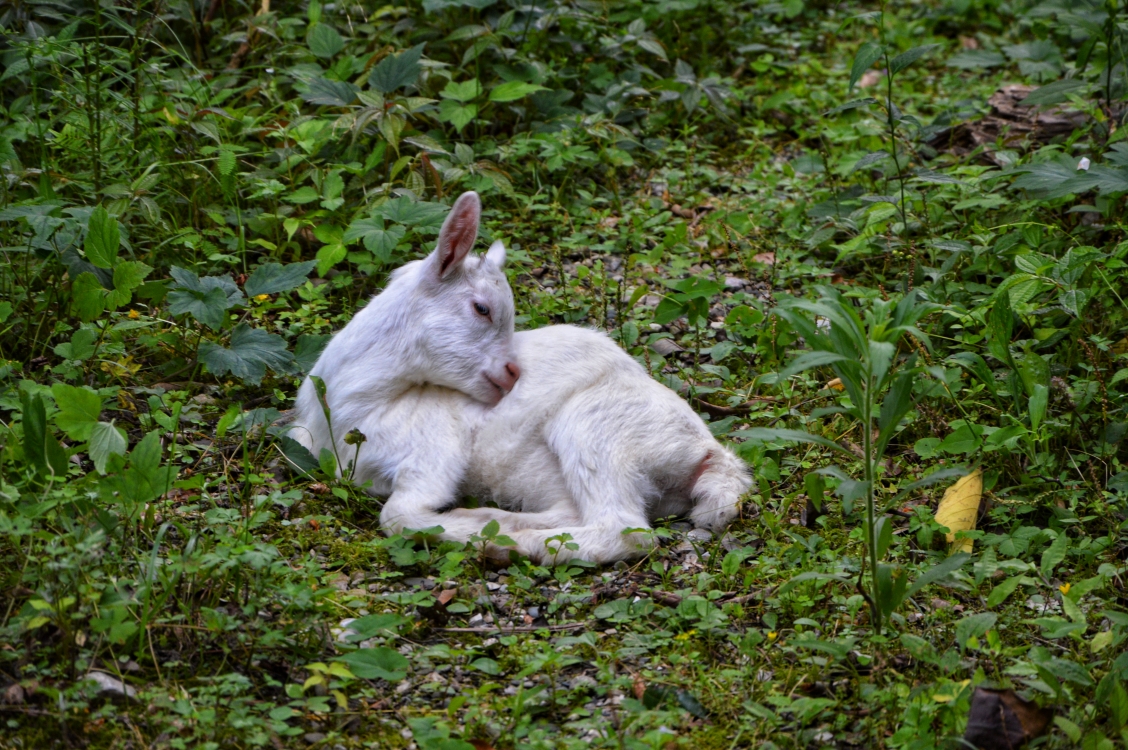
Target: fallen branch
{"type": "Point", "coordinates": [519, 628]}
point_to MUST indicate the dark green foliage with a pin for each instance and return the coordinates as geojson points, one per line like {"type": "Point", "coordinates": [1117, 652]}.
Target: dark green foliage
{"type": "Point", "coordinates": [791, 212]}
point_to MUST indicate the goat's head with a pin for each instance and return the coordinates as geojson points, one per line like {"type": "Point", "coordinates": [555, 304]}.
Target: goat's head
{"type": "Point", "coordinates": [466, 315]}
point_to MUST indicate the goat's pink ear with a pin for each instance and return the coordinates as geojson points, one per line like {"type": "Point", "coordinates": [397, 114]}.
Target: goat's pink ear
{"type": "Point", "coordinates": [458, 233]}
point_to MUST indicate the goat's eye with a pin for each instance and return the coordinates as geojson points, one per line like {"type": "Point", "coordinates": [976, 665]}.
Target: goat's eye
{"type": "Point", "coordinates": [481, 309]}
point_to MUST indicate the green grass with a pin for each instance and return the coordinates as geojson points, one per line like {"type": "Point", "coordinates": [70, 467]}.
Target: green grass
{"type": "Point", "coordinates": [668, 172]}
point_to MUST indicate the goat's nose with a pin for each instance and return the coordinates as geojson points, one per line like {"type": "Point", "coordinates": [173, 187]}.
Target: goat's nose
{"type": "Point", "coordinates": [512, 372]}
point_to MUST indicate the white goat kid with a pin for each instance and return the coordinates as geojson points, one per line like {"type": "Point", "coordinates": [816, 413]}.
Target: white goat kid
{"type": "Point", "coordinates": [585, 443]}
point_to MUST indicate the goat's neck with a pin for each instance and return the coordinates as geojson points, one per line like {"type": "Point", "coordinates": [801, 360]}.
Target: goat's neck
{"type": "Point", "coordinates": [394, 360]}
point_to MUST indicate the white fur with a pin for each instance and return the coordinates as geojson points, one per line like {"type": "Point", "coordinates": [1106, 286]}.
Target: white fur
{"type": "Point", "coordinates": [585, 443]}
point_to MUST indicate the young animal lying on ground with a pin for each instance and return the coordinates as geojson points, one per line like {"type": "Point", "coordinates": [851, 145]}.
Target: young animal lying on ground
{"type": "Point", "coordinates": [558, 426]}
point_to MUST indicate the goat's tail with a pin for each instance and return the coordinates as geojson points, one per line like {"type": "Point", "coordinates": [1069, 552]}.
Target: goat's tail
{"type": "Point", "coordinates": [721, 479]}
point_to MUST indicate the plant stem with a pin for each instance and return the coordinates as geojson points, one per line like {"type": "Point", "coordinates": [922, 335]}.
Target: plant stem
{"type": "Point", "coordinates": [871, 519]}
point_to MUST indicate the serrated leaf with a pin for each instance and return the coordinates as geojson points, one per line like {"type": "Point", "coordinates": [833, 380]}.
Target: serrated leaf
{"type": "Point", "coordinates": [380, 241]}
{"type": "Point", "coordinates": [329, 256]}
{"type": "Point", "coordinates": [959, 509]}
{"type": "Point", "coordinates": [79, 408]}
{"type": "Point", "coordinates": [396, 71]}
{"type": "Point", "coordinates": [252, 351]}
{"type": "Point", "coordinates": [226, 161]}
{"type": "Point", "coordinates": [868, 54]}
{"type": "Point", "coordinates": [511, 91]}
{"type": "Point", "coordinates": [205, 299]}
{"type": "Point", "coordinates": [272, 278]}
{"type": "Point", "coordinates": [974, 626]}
{"type": "Point", "coordinates": [88, 296]}
{"type": "Point", "coordinates": [458, 115]}
{"type": "Point", "coordinates": [324, 41]}
{"type": "Point", "coordinates": [308, 349]}
{"type": "Point", "coordinates": [105, 441]}
{"type": "Point", "coordinates": [128, 275]}
{"type": "Point", "coordinates": [103, 237]}
{"type": "Point", "coordinates": [330, 93]}
{"type": "Point", "coordinates": [462, 92]}
{"type": "Point", "coordinates": [415, 214]}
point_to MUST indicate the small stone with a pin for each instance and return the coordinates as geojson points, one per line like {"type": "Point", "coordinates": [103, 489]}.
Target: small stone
{"type": "Point", "coordinates": [110, 685]}
{"type": "Point", "coordinates": [666, 347]}
{"type": "Point", "coordinates": [735, 284]}
{"type": "Point", "coordinates": [730, 542]}
{"type": "Point", "coordinates": [533, 612]}
{"type": "Point", "coordinates": [683, 547]}
{"type": "Point", "coordinates": [312, 738]}
{"type": "Point", "coordinates": [415, 583]}
{"type": "Point", "coordinates": [681, 526]}
{"type": "Point", "coordinates": [403, 687]}
{"type": "Point", "coordinates": [491, 586]}
{"type": "Point", "coordinates": [476, 620]}
{"type": "Point", "coordinates": [583, 681]}
{"type": "Point", "coordinates": [700, 535]}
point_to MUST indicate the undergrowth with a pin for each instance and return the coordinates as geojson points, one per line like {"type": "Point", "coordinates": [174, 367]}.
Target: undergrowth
{"type": "Point", "coordinates": [878, 247]}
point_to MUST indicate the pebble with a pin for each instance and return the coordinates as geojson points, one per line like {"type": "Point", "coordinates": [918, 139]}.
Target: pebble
{"type": "Point", "coordinates": [700, 535]}
{"type": "Point", "coordinates": [666, 347]}
{"type": "Point", "coordinates": [533, 611]}
{"type": "Point", "coordinates": [313, 738]}
{"type": "Point", "coordinates": [734, 283]}
{"type": "Point", "coordinates": [110, 685]}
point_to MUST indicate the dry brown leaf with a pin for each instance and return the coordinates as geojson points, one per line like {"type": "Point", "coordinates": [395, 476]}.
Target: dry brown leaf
{"type": "Point", "coordinates": [446, 595]}
{"type": "Point", "coordinates": [959, 509]}
{"type": "Point", "coordinates": [639, 686]}
{"type": "Point", "coordinates": [1001, 720]}
{"type": "Point", "coordinates": [767, 259]}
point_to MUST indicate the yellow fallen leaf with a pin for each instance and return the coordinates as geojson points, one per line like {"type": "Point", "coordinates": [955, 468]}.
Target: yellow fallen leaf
{"type": "Point", "coordinates": [835, 384]}
{"type": "Point", "coordinates": [960, 508]}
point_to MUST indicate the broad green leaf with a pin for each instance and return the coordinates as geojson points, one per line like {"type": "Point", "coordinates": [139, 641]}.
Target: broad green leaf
{"type": "Point", "coordinates": [396, 71]}
{"type": "Point", "coordinates": [105, 440]}
{"type": "Point", "coordinates": [128, 275]}
{"type": "Point", "coordinates": [252, 351]}
{"type": "Point", "coordinates": [514, 90]}
{"type": "Point", "coordinates": [459, 115]}
{"type": "Point", "coordinates": [1054, 555]}
{"type": "Point", "coordinates": [419, 215]}
{"type": "Point", "coordinates": [102, 238]}
{"type": "Point", "coordinates": [462, 92]}
{"type": "Point", "coordinates": [868, 54]}
{"type": "Point", "coordinates": [40, 446]}
{"type": "Point", "coordinates": [1037, 405]}
{"type": "Point", "coordinates": [892, 581]}
{"type": "Point", "coordinates": [974, 626]}
{"type": "Point", "coordinates": [89, 296]}
{"type": "Point", "coordinates": [329, 256]}
{"type": "Point", "coordinates": [938, 572]}
{"type": "Point", "coordinates": [272, 278]}
{"type": "Point", "coordinates": [380, 663]}
{"type": "Point", "coordinates": [1000, 593]}
{"type": "Point", "coordinates": [79, 408]}
{"type": "Point", "coordinates": [205, 299]}
{"type": "Point", "coordinates": [905, 59]}
{"type": "Point", "coordinates": [308, 349]}
{"type": "Point", "coordinates": [81, 347]}
{"type": "Point", "coordinates": [487, 665]}
{"type": "Point", "coordinates": [330, 93]}
{"type": "Point", "coordinates": [802, 577]}
{"type": "Point", "coordinates": [808, 360]}
{"type": "Point", "coordinates": [763, 434]}
{"type": "Point", "coordinates": [380, 241]}
{"type": "Point", "coordinates": [324, 41]}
